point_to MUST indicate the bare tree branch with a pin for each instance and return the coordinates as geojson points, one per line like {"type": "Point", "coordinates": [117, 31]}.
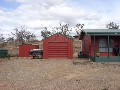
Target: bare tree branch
{"type": "Point", "coordinates": [112, 25]}
{"type": "Point", "coordinates": [79, 27]}
{"type": "Point", "coordinates": [22, 35]}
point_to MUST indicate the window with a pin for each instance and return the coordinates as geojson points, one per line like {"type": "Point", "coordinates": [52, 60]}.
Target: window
{"type": "Point", "coordinates": [103, 45]}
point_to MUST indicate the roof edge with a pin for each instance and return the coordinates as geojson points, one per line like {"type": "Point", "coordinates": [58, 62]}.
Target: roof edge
{"type": "Point", "coordinates": [67, 36]}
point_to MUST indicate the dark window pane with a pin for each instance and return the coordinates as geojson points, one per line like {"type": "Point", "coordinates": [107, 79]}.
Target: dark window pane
{"type": "Point", "coordinates": [103, 45]}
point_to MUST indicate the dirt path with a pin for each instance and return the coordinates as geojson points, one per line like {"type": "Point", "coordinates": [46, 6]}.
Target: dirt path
{"type": "Point", "coordinates": [17, 74]}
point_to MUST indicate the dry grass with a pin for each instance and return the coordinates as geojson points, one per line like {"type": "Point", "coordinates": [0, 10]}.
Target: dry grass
{"type": "Point", "coordinates": [35, 74]}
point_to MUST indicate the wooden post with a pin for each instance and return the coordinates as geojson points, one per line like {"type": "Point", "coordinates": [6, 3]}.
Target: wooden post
{"type": "Point", "coordinates": [94, 48]}
{"type": "Point", "coordinates": [108, 46]}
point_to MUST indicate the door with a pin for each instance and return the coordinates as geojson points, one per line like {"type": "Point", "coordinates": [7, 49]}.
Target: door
{"type": "Point", "coordinates": [57, 49]}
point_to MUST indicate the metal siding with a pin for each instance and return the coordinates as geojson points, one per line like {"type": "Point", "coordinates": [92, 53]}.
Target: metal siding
{"type": "Point", "coordinates": [71, 49]}
{"type": "Point", "coordinates": [25, 49]}
{"type": "Point", "coordinates": [86, 44]}
{"type": "Point", "coordinates": [45, 49]}
{"type": "Point", "coordinates": [57, 46]}
{"type": "Point", "coordinates": [57, 49]}
{"type": "Point", "coordinates": [101, 31]}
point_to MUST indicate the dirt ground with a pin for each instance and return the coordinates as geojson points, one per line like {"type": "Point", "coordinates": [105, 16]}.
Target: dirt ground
{"type": "Point", "coordinates": [36, 74]}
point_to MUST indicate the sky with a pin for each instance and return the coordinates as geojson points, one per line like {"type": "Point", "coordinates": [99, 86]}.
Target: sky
{"type": "Point", "coordinates": [37, 14]}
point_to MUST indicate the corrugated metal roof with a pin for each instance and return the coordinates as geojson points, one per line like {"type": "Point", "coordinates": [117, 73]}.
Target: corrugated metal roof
{"type": "Point", "coordinates": [102, 31]}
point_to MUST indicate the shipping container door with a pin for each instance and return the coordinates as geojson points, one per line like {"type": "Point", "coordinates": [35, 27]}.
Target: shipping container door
{"type": "Point", "coordinates": [57, 49]}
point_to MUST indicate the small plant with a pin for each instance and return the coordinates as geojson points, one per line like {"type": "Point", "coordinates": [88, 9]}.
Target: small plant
{"type": "Point", "coordinates": [97, 53]}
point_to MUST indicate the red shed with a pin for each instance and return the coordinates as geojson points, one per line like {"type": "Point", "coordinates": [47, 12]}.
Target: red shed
{"type": "Point", "coordinates": [58, 46]}
{"type": "Point", "coordinates": [25, 49]}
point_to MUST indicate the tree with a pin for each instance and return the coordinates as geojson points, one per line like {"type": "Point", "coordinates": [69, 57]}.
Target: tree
{"type": "Point", "coordinates": [22, 35]}
{"type": "Point", "coordinates": [112, 25]}
{"type": "Point", "coordinates": [2, 40]}
{"type": "Point", "coordinates": [45, 33]}
{"type": "Point", "coordinates": [10, 40]}
{"type": "Point", "coordinates": [79, 27]}
{"type": "Point", "coordinates": [62, 29]}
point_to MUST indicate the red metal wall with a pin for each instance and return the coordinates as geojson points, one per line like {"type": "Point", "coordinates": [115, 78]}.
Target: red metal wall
{"type": "Point", "coordinates": [86, 44]}
{"type": "Point", "coordinates": [58, 46]}
{"type": "Point", "coordinates": [25, 49]}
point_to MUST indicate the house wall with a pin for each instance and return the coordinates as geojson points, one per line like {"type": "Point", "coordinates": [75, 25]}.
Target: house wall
{"type": "Point", "coordinates": [116, 42]}
{"type": "Point", "coordinates": [86, 44]}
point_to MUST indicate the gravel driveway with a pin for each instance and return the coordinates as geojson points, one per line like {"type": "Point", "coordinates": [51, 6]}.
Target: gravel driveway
{"type": "Point", "coordinates": [35, 74]}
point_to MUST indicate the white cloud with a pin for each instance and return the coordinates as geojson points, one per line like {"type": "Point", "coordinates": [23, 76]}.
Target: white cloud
{"type": "Point", "coordinates": [37, 14]}
{"type": "Point", "coordinates": [93, 16]}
